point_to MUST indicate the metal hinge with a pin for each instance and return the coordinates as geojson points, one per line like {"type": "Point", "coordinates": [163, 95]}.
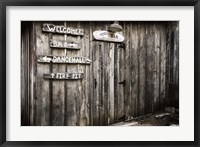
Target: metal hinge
{"type": "Point", "coordinates": [123, 82]}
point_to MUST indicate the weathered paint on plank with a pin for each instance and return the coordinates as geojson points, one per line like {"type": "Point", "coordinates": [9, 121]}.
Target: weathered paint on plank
{"type": "Point", "coordinates": [163, 55]}
{"type": "Point", "coordinates": [127, 71]}
{"type": "Point", "coordinates": [42, 115]}
{"type": "Point", "coordinates": [142, 67]}
{"type": "Point", "coordinates": [84, 84]}
{"type": "Point", "coordinates": [111, 81]}
{"type": "Point", "coordinates": [58, 89]}
{"type": "Point", "coordinates": [72, 95]}
{"type": "Point", "coordinates": [150, 67]}
{"type": "Point", "coordinates": [91, 79]}
{"type": "Point", "coordinates": [157, 57]}
{"type": "Point", "coordinates": [134, 69]}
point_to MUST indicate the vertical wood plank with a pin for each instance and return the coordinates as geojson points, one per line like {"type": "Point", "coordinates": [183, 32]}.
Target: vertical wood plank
{"type": "Point", "coordinates": [42, 85]}
{"type": "Point", "coordinates": [176, 63]}
{"type": "Point", "coordinates": [134, 68]}
{"type": "Point", "coordinates": [65, 85]}
{"type": "Point", "coordinates": [157, 60]}
{"type": "Point", "coordinates": [32, 98]}
{"type": "Point", "coordinates": [84, 85]}
{"type": "Point", "coordinates": [80, 83]}
{"type": "Point", "coordinates": [163, 62]}
{"type": "Point", "coordinates": [91, 80]}
{"type": "Point", "coordinates": [106, 79]}
{"type": "Point", "coordinates": [24, 73]}
{"type": "Point", "coordinates": [127, 99]}
{"type": "Point", "coordinates": [121, 88]}
{"type": "Point", "coordinates": [116, 82]}
{"type": "Point", "coordinates": [72, 85]}
{"type": "Point", "coordinates": [150, 67]}
{"type": "Point", "coordinates": [96, 77]}
{"type": "Point", "coordinates": [120, 77]}
{"type": "Point", "coordinates": [101, 90]}
{"type": "Point", "coordinates": [107, 82]}
{"type": "Point", "coordinates": [141, 68]}
{"type": "Point", "coordinates": [168, 58]}
{"type": "Point", "coordinates": [58, 94]}
{"type": "Point", "coordinates": [111, 85]}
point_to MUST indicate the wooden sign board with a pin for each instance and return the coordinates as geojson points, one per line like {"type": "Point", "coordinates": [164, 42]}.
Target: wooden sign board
{"type": "Point", "coordinates": [62, 29]}
{"type": "Point", "coordinates": [64, 44]}
{"type": "Point", "coordinates": [108, 36]}
{"type": "Point", "coordinates": [64, 76]}
{"type": "Point", "coordinates": [63, 59]}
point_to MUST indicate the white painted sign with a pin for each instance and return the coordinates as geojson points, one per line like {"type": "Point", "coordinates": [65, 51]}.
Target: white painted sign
{"type": "Point", "coordinates": [62, 29]}
{"type": "Point", "coordinates": [64, 44]}
{"type": "Point", "coordinates": [108, 36]}
{"type": "Point", "coordinates": [64, 76]}
{"type": "Point", "coordinates": [63, 59]}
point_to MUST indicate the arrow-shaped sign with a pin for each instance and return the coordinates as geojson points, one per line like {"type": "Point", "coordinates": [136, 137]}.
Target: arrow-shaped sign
{"type": "Point", "coordinates": [64, 76]}
{"type": "Point", "coordinates": [63, 59]}
{"type": "Point", "coordinates": [64, 44]}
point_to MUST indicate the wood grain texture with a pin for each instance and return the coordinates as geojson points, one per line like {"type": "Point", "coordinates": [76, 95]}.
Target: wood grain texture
{"type": "Point", "coordinates": [25, 119]}
{"type": "Point", "coordinates": [134, 69]}
{"type": "Point", "coordinates": [127, 99]}
{"type": "Point", "coordinates": [142, 68]}
{"type": "Point", "coordinates": [123, 81]}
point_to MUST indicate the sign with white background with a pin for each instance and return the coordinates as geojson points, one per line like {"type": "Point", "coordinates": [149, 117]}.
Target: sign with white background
{"type": "Point", "coordinates": [183, 132]}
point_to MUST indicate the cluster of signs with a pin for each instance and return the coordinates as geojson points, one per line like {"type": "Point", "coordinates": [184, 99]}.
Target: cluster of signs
{"type": "Point", "coordinates": [60, 44]}
{"type": "Point", "coordinates": [102, 35]}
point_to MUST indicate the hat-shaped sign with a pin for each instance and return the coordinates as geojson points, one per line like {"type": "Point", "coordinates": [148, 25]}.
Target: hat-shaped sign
{"type": "Point", "coordinates": [108, 36]}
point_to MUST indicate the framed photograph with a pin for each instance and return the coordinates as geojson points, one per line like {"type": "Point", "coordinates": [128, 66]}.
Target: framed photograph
{"type": "Point", "coordinates": [80, 73]}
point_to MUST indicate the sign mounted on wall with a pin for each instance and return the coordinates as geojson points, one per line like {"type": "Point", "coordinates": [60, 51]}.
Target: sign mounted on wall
{"type": "Point", "coordinates": [108, 36]}
{"type": "Point", "coordinates": [62, 29]}
{"type": "Point", "coordinates": [63, 59]}
{"type": "Point", "coordinates": [64, 76]}
{"type": "Point", "coordinates": [64, 44]}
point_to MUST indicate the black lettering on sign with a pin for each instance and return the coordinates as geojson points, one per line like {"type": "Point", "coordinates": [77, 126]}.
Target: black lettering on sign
{"type": "Point", "coordinates": [64, 44]}
{"type": "Point", "coordinates": [107, 36]}
{"type": "Point", "coordinates": [63, 59]}
{"type": "Point", "coordinates": [62, 29]}
{"type": "Point", "coordinates": [64, 76]}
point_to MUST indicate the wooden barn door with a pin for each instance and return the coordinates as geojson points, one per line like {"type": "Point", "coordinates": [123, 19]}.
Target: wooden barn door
{"type": "Point", "coordinates": [108, 79]}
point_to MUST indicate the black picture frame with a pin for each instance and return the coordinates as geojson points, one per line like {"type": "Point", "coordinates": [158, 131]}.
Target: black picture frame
{"type": "Point", "coordinates": [5, 3]}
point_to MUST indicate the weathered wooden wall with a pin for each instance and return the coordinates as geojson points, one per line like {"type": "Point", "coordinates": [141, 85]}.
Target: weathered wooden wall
{"type": "Point", "coordinates": [121, 83]}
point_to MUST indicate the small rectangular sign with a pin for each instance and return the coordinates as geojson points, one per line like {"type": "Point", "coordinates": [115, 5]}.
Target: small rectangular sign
{"type": "Point", "coordinates": [64, 44]}
{"type": "Point", "coordinates": [62, 29]}
{"type": "Point", "coordinates": [64, 76]}
{"type": "Point", "coordinates": [63, 59]}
